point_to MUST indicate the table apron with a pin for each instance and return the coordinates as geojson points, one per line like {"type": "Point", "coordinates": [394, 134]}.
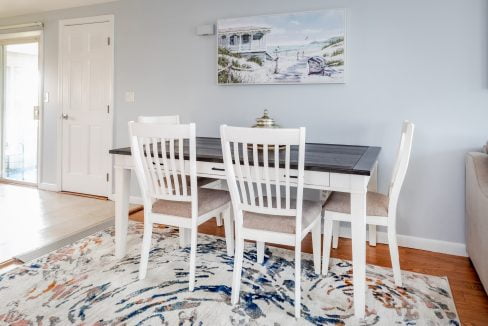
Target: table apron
{"type": "Point", "coordinates": [330, 181]}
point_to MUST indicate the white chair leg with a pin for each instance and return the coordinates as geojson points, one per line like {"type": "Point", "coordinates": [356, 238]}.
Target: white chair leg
{"type": "Point", "coordinates": [395, 259]}
{"type": "Point", "coordinates": [328, 225]}
{"type": "Point", "coordinates": [236, 276]}
{"type": "Point", "coordinates": [146, 247]}
{"type": "Point", "coordinates": [298, 273]}
{"type": "Point", "coordinates": [335, 234]}
{"type": "Point", "coordinates": [193, 256]}
{"type": "Point", "coordinates": [260, 251]}
{"type": "Point", "coordinates": [316, 247]}
{"type": "Point", "coordinates": [229, 232]}
{"type": "Point", "coordinates": [219, 219]}
{"type": "Point", "coordinates": [372, 235]}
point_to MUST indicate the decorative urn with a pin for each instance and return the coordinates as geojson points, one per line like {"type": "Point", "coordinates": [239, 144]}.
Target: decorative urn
{"type": "Point", "coordinates": [265, 121]}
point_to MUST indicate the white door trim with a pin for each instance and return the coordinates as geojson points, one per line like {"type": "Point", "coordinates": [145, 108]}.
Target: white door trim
{"type": "Point", "coordinates": [62, 24]}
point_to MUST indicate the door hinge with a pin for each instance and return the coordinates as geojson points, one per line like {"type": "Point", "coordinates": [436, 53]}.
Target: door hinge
{"type": "Point", "coordinates": [108, 109]}
{"type": "Point", "coordinates": [107, 177]}
{"type": "Point", "coordinates": [108, 40]}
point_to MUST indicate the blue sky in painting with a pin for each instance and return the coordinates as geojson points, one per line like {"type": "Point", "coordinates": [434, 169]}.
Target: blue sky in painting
{"type": "Point", "coordinates": [295, 28]}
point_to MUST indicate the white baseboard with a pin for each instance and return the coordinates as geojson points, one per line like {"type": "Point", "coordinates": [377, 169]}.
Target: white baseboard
{"type": "Point", "coordinates": [48, 186]}
{"type": "Point", "coordinates": [408, 241]}
{"type": "Point", "coordinates": [132, 199]}
{"type": "Point", "coordinates": [136, 200]}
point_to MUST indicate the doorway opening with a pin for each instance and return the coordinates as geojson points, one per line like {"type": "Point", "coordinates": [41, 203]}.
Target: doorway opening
{"type": "Point", "coordinates": [19, 94]}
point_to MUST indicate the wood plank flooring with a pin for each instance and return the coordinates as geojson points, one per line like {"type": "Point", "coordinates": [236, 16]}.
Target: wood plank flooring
{"type": "Point", "coordinates": [31, 218]}
{"type": "Point", "coordinates": [469, 295]}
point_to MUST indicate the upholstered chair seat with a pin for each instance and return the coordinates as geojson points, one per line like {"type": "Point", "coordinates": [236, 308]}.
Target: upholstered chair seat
{"type": "Point", "coordinates": [280, 223]}
{"type": "Point", "coordinates": [340, 202]}
{"type": "Point", "coordinates": [208, 200]}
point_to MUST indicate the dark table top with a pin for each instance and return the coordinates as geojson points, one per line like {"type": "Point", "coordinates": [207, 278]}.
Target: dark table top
{"type": "Point", "coordinates": [318, 157]}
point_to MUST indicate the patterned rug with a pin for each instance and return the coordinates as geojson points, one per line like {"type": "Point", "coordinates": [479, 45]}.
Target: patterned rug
{"type": "Point", "coordinates": [83, 284]}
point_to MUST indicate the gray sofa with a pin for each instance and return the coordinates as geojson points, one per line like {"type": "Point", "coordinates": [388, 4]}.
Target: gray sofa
{"type": "Point", "coordinates": [477, 213]}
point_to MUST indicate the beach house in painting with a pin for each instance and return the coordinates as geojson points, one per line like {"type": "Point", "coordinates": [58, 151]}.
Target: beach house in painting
{"type": "Point", "coordinates": [248, 41]}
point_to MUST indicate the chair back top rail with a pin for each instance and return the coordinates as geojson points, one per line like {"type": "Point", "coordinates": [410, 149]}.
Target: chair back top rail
{"type": "Point", "coordinates": [166, 119]}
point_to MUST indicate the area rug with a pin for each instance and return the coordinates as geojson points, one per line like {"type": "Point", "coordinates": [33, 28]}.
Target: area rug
{"type": "Point", "coordinates": [83, 284]}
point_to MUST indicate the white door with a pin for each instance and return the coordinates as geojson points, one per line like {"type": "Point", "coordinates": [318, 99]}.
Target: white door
{"type": "Point", "coordinates": [86, 72]}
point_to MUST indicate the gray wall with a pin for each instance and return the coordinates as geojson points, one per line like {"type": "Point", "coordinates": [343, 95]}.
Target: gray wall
{"type": "Point", "coordinates": [425, 61]}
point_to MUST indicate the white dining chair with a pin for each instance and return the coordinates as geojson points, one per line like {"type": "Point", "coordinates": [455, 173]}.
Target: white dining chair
{"type": "Point", "coordinates": [258, 165]}
{"type": "Point", "coordinates": [380, 209]}
{"type": "Point", "coordinates": [175, 120]}
{"type": "Point", "coordinates": [162, 173]}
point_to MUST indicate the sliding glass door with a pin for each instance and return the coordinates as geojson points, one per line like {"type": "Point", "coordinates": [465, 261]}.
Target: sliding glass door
{"type": "Point", "coordinates": [20, 111]}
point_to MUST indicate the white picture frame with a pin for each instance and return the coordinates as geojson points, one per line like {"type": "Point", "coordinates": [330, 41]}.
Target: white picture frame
{"type": "Point", "coordinates": [293, 48]}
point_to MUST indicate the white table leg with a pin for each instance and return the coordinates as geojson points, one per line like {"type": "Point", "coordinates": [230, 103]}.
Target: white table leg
{"type": "Point", "coordinates": [358, 228]}
{"type": "Point", "coordinates": [373, 186]}
{"type": "Point", "coordinates": [122, 189]}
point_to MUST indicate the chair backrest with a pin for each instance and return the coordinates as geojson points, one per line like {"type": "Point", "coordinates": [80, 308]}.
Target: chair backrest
{"type": "Point", "coordinates": [158, 152]}
{"type": "Point", "coordinates": [258, 163]}
{"type": "Point", "coordinates": [166, 119]}
{"type": "Point", "coordinates": [401, 164]}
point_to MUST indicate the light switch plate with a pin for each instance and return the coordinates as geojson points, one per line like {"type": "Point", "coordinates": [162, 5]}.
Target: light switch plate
{"type": "Point", "coordinates": [130, 97]}
{"type": "Point", "coordinates": [46, 97]}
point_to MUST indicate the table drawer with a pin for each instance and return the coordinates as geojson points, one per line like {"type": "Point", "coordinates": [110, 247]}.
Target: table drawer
{"type": "Point", "coordinates": [310, 177]}
{"type": "Point", "coordinates": [213, 169]}
{"type": "Point", "coordinates": [316, 178]}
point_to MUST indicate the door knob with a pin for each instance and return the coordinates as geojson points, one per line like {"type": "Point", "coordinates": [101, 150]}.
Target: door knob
{"type": "Point", "coordinates": [65, 116]}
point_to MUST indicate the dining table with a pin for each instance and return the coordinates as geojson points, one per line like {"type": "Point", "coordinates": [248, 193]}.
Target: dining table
{"type": "Point", "coordinates": [328, 167]}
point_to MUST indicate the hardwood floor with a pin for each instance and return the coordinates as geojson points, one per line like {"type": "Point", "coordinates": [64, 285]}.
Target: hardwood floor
{"type": "Point", "coordinates": [31, 218]}
{"type": "Point", "coordinates": [469, 296]}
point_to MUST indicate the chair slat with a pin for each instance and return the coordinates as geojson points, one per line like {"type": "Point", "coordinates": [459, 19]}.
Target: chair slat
{"type": "Point", "coordinates": [277, 174]}
{"type": "Point", "coordinates": [250, 183]}
{"type": "Point", "coordinates": [157, 165]}
{"type": "Point", "coordinates": [164, 155]}
{"type": "Point", "coordinates": [266, 173]}
{"type": "Point", "coordinates": [239, 174]}
{"type": "Point", "coordinates": [150, 165]}
{"type": "Point", "coordinates": [257, 174]}
{"type": "Point", "coordinates": [287, 173]}
{"type": "Point", "coordinates": [141, 145]}
{"type": "Point", "coordinates": [173, 166]}
{"type": "Point", "coordinates": [181, 157]}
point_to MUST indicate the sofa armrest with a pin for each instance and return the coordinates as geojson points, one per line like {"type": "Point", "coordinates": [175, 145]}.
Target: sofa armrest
{"type": "Point", "coordinates": [477, 213]}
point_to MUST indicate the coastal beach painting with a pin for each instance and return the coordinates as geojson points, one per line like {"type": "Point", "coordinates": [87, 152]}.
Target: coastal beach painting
{"type": "Point", "coordinates": [295, 48]}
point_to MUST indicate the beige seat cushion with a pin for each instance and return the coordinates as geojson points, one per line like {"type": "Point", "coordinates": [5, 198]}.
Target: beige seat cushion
{"type": "Point", "coordinates": [340, 202]}
{"type": "Point", "coordinates": [208, 200]}
{"type": "Point", "coordinates": [285, 224]}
